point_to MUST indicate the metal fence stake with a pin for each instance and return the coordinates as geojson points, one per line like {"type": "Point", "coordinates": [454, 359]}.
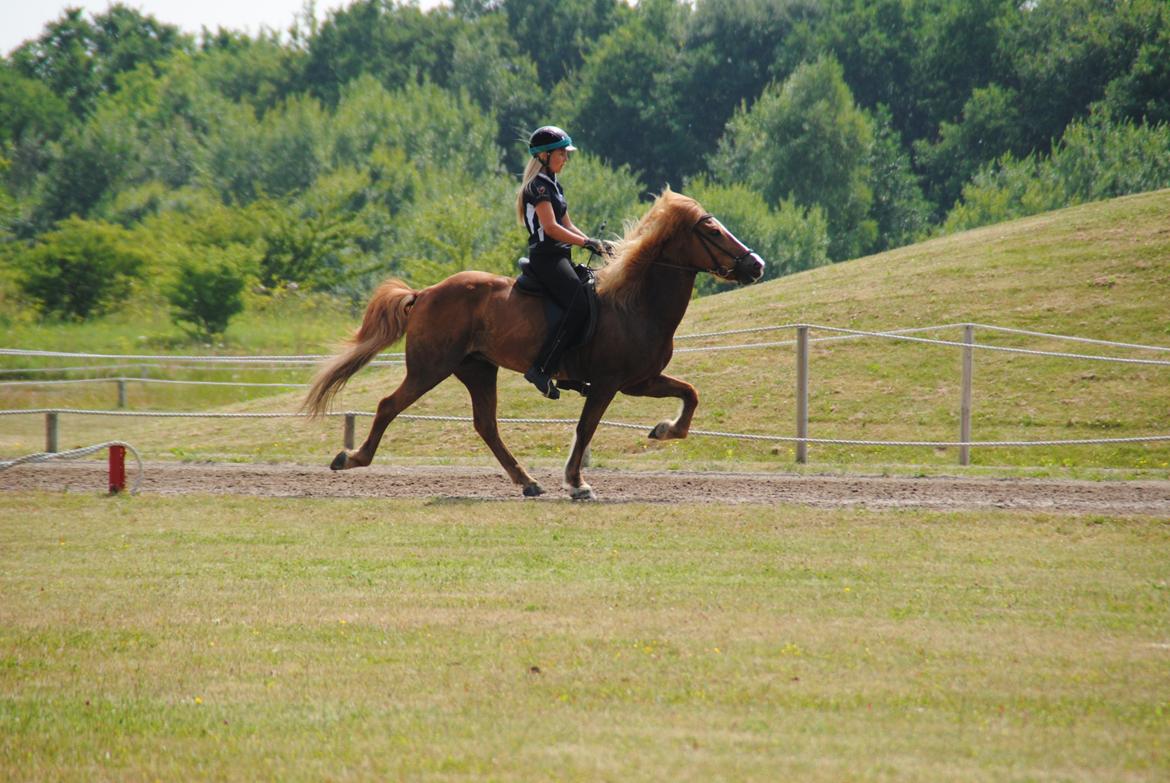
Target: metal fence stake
{"type": "Point", "coordinates": [121, 393]}
{"type": "Point", "coordinates": [348, 438]}
{"type": "Point", "coordinates": [965, 394]}
{"type": "Point", "coordinates": [802, 394]}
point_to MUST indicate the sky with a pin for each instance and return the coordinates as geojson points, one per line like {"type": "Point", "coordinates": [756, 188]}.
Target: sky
{"type": "Point", "coordinates": [21, 20]}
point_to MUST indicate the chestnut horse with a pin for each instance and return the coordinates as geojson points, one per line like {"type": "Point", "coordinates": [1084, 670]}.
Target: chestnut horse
{"type": "Point", "coordinates": [473, 323]}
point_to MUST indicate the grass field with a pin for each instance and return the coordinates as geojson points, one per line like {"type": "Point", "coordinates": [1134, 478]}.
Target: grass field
{"type": "Point", "coordinates": [240, 639]}
{"type": "Point", "coordinates": [222, 638]}
{"type": "Point", "coordinates": [1096, 271]}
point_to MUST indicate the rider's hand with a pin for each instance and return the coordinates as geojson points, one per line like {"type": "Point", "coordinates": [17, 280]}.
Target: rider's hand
{"type": "Point", "coordinates": [598, 246]}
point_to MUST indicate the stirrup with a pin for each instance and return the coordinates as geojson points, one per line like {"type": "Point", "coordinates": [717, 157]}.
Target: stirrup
{"type": "Point", "coordinates": [543, 382]}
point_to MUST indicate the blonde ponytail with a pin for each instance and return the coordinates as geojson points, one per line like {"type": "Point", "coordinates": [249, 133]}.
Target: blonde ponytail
{"type": "Point", "coordinates": [530, 171]}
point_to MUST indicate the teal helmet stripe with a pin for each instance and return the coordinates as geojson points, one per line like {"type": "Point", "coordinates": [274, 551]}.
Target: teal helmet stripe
{"type": "Point", "coordinates": [552, 145]}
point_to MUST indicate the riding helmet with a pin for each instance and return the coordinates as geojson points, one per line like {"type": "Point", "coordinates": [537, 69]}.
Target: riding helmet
{"type": "Point", "coordinates": [549, 138]}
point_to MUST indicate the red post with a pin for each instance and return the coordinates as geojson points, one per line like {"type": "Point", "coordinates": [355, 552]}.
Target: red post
{"type": "Point", "coordinates": [117, 469]}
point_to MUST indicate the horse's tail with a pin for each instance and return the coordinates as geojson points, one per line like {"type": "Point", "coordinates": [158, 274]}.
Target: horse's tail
{"type": "Point", "coordinates": [383, 325]}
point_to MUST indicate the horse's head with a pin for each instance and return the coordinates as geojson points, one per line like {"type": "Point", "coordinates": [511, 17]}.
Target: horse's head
{"type": "Point", "coordinates": [718, 251]}
{"type": "Point", "coordinates": [697, 240]}
{"type": "Point", "coordinates": [677, 232]}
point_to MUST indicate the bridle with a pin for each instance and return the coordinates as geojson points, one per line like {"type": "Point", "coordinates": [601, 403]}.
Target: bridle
{"type": "Point", "coordinates": [710, 245]}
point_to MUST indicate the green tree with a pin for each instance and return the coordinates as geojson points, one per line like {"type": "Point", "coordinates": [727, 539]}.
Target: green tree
{"type": "Point", "coordinates": [28, 108]}
{"type": "Point", "coordinates": [86, 166]}
{"type": "Point", "coordinates": [260, 71]}
{"type": "Point", "coordinates": [957, 52]}
{"type": "Point", "coordinates": [989, 127]}
{"type": "Point", "coordinates": [79, 269]}
{"type": "Point", "coordinates": [498, 77]}
{"type": "Point", "coordinates": [731, 50]}
{"type": "Point", "coordinates": [80, 60]}
{"type": "Point", "coordinates": [807, 141]}
{"type": "Point", "coordinates": [876, 42]}
{"type": "Point", "coordinates": [899, 208]}
{"type": "Point", "coordinates": [1064, 54]}
{"type": "Point", "coordinates": [1143, 92]}
{"type": "Point", "coordinates": [293, 147]}
{"type": "Point", "coordinates": [611, 103]}
{"type": "Point", "coordinates": [556, 34]}
{"type": "Point", "coordinates": [397, 43]}
{"type": "Point", "coordinates": [433, 126]}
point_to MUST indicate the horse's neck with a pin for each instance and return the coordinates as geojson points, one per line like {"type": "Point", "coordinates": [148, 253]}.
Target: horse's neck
{"type": "Point", "coordinates": [664, 298]}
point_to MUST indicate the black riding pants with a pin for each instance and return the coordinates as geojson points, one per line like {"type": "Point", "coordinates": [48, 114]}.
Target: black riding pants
{"type": "Point", "coordinates": [555, 273]}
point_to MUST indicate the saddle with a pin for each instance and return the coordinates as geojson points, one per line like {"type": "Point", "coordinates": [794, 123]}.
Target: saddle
{"type": "Point", "coordinates": [526, 283]}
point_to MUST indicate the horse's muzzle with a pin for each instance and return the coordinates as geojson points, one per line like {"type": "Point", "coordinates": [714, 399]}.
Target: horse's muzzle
{"type": "Point", "coordinates": [748, 268]}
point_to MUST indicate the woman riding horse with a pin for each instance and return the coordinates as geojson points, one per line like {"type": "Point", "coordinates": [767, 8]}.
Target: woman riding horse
{"type": "Point", "coordinates": [473, 323]}
{"type": "Point", "coordinates": [543, 211]}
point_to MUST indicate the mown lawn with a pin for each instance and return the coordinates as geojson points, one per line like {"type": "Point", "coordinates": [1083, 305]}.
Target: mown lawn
{"type": "Point", "coordinates": [240, 639]}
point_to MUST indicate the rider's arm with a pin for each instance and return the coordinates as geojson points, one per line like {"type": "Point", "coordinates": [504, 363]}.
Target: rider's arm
{"type": "Point", "coordinates": [573, 227]}
{"type": "Point", "coordinates": [561, 233]}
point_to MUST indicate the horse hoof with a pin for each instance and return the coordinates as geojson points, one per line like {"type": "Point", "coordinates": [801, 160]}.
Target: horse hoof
{"type": "Point", "coordinates": [339, 462]}
{"type": "Point", "coordinates": [661, 431]}
{"type": "Point", "coordinates": [533, 490]}
{"type": "Point", "coordinates": [583, 492]}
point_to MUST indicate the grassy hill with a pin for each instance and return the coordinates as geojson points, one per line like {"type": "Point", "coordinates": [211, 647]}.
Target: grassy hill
{"type": "Point", "coordinates": [1097, 271]}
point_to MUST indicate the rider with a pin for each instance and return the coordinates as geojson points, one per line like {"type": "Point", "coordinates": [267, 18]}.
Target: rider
{"type": "Point", "coordinates": [543, 211]}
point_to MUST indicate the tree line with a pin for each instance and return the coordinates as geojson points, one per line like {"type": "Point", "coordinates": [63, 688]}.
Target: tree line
{"type": "Point", "coordinates": [387, 140]}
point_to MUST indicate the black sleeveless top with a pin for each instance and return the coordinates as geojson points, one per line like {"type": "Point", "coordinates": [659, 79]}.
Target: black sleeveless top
{"type": "Point", "coordinates": [544, 187]}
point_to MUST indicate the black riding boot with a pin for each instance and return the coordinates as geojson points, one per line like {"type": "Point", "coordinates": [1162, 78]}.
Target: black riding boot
{"type": "Point", "coordinates": [548, 361]}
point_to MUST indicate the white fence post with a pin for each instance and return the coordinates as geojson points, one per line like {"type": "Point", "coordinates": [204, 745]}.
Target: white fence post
{"type": "Point", "coordinates": [965, 394]}
{"type": "Point", "coordinates": [802, 394]}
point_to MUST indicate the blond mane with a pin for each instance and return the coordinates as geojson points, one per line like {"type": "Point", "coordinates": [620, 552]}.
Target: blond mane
{"type": "Point", "coordinates": [622, 278]}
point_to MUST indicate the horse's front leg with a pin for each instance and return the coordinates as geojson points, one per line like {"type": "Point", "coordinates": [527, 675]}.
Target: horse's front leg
{"type": "Point", "coordinates": [595, 405]}
{"type": "Point", "coordinates": [665, 386]}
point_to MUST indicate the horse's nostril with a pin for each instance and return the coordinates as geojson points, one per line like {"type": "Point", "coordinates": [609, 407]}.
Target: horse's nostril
{"type": "Point", "coordinates": [758, 267]}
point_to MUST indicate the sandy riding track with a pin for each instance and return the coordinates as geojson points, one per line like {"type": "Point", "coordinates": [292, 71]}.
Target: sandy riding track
{"type": "Point", "coordinates": [164, 478]}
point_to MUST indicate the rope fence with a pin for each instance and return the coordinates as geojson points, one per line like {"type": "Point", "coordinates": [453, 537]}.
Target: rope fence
{"type": "Point", "coordinates": [351, 415]}
{"type": "Point", "coordinates": [801, 342]}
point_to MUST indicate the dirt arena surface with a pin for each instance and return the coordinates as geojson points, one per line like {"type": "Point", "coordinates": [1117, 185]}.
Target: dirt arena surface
{"type": "Point", "coordinates": [612, 486]}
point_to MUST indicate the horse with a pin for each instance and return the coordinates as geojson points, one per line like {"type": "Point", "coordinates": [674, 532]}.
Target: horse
{"type": "Point", "coordinates": [473, 323]}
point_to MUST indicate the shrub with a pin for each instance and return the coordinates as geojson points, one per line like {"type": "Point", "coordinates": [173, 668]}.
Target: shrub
{"type": "Point", "coordinates": [206, 294]}
{"type": "Point", "coordinates": [80, 269]}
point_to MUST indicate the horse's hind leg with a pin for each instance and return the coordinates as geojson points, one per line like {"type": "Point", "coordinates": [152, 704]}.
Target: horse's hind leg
{"type": "Point", "coordinates": [411, 388]}
{"type": "Point", "coordinates": [480, 379]}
